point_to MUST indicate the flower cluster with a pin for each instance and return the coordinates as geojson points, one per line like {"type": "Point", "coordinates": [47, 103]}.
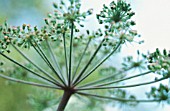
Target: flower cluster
{"type": "Point", "coordinates": [159, 63]}
{"type": "Point", "coordinates": [117, 22]}
{"type": "Point", "coordinates": [116, 12]}
{"type": "Point", "coordinates": [70, 13]}
{"type": "Point", "coordinates": [20, 36]}
{"type": "Point", "coordinates": [130, 62]}
{"type": "Point", "coordinates": [56, 24]}
{"type": "Point", "coordinates": [160, 93]}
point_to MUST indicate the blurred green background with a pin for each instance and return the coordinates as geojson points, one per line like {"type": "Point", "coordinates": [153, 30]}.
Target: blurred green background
{"type": "Point", "coordinates": [14, 96]}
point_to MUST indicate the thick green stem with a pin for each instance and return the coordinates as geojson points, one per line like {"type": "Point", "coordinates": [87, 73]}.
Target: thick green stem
{"type": "Point", "coordinates": [66, 96]}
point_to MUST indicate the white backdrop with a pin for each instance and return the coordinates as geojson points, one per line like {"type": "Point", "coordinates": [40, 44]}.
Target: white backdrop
{"type": "Point", "coordinates": [153, 23]}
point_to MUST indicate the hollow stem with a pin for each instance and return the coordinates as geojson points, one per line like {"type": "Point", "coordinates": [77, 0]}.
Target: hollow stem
{"type": "Point", "coordinates": [66, 96]}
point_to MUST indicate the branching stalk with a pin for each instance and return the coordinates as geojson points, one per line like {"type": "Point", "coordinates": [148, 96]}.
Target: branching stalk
{"type": "Point", "coordinates": [87, 45]}
{"type": "Point", "coordinates": [65, 54]}
{"type": "Point", "coordinates": [117, 99]}
{"type": "Point", "coordinates": [88, 74]}
{"type": "Point", "coordinates": [70, 56]}
{"type": "Point", "coordinates": [30, 70]}
{"type": "Point", "coordinates": [89, 62]}
{"type": "Point", "coordinates": [40, 69]}
{"type": "Point", "coordinates": [106, 78]}
{"type": "Point", "coordinates": [44, 55]}
{"type": "Point", "coordinates": [64, 100]}
{"type": "Point", "coordinates": [120, 80]}
{"type": "Point", "coordinates": [29, 83]}
{"type": "Point", "coordinates": [125, 86]}
{"type": "Point", "coordinates": [54, 59]}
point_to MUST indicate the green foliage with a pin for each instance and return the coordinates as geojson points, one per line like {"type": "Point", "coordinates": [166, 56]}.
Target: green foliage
{"type": "Point", "coordinates": [47, 99]}
{"type": "Point", "coordinates": [12, 97]}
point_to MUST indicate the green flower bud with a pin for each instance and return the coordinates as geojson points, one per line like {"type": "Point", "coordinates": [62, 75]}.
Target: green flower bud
{"type": "Point", "coordinates": [62, 2]}
{"type": "Point", "coordinates": [165, 65]}
{"type": "Point", "coordinates": [165, 52]}
{"type": "Point", "coordinates": [81, 25]}
{"type": "Point", "coordinates": [134, 32]}
{"type": "Point", "coordinates": [61, 7]}
{"type": "Point", "coordinates": [53, 22]}
{"type": "Point", "coordinates": [106, 26]}
{"type": "Point", "coordinates": [29, 27]}
{"type": "Point", "coordinates": [104, 44]}
{"type": "Point", "coordinates": [23, 26]}
{"type": "Point", "coordinates": [131, 14]}
{"type": "Point", "coordinates": [150, 67]}
{"type": "Point", "coordinates": [158, 67]}
{"type": "Point", "coordinates": [5, 24]}
{"type": "Point", "coordinates": [78, 6]}
{"type": "Point", "coordinates": [97, 16]}
{"type": "Point", "coordinates": [77, 30]}
{"type": "Point", "coordinates": [157, 51]}
{"type": "Point", "coordinates": [9, 29]}
{"type": "Point", "coordinates": [100, 22]}
{"type": "Point", "coordinates": [49, 15]}
{"type": "Point", "coordinates": [90, 11]}
{"type": "Point", "coordinates": [46, 21]}
{"type": "Point", "coordinates": [55, 5]}
{"type": "Point", "coordinates": [132, 23]}
{"type": "Point", "coordinates": [35, 28]}
{"type": "Point", "coordinates": [1, 63]}
{"type": "Point", "coordinates": [8, 51]}
{"type": "Point", "coordinates": [88, 32]}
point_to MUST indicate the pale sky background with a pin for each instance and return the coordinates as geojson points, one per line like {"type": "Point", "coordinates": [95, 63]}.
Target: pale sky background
{"type": "Point", "coordinates": [153, 23]}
